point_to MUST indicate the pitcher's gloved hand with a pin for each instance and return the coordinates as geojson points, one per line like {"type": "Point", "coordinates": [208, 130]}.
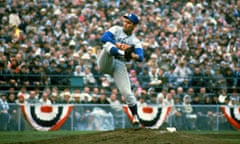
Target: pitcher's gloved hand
{"type": "Point", "coordinates": [122, 46]}
{"type": "Point", "coordinates": [128, 53]}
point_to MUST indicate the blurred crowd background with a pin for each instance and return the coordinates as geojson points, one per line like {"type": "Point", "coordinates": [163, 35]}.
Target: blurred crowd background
{"type": "Point", "coordinates": [191, 51]}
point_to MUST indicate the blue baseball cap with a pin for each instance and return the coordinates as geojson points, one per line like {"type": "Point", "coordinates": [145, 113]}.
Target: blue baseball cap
{"type": "Point", "coordinates": [132, 17]}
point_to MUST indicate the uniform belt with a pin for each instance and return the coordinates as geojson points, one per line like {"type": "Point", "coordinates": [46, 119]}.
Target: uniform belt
{"type": "Point", "coordinates": [121, 58]}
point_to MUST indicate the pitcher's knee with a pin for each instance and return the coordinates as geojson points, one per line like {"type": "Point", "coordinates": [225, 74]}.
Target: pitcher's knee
{"type": "Point", "coordinates": [131, 99]}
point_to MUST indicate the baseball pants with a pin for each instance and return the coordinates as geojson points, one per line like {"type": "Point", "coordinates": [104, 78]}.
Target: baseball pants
{"type": "Point", "coordinates": [108, 64]}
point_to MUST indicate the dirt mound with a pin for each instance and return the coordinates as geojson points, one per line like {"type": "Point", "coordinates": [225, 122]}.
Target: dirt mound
{"type": "Point", "coordinates": [136, 136]}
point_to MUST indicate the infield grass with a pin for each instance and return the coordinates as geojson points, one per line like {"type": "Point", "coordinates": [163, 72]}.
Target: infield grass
{"type": "Point", "coordinates": [26, 136]}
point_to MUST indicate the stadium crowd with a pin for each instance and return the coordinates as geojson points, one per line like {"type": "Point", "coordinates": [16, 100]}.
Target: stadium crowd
{"type": "Point", "coordinates": [191, 51]}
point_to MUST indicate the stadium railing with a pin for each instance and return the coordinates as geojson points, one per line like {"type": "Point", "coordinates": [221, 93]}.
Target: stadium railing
{"type": "Point", "coordinates": [102, 117]}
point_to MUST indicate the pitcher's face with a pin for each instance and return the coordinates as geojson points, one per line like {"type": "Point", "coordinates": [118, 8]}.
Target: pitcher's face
{"type": "Point", "coordinates": [128, 26]}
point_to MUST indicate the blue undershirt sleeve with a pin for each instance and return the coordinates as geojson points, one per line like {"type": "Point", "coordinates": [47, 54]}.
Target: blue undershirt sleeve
{"type": "Point", "coordinates": [140, 53]}
{"type": "Point", "coordinates": [108, 37]}
{"type": "Point", "coordinates": [114, 51]}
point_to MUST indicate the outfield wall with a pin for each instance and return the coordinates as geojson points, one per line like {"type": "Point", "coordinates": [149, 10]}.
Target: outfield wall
{"type": "Point", "coordinates": [88, 117]}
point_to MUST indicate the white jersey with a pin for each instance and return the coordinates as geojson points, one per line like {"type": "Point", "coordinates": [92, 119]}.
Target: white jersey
{"type": "Point", "coordinates": [122, 37]}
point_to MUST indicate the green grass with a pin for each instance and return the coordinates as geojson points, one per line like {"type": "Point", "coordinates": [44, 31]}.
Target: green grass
{"type": "Point", "coordinates": [229, 136]}
{"type": "Point", "coordinates": [237, 141]}
{"type": "Point", "coordinates": [25, 136]}
{"type": "Point", "coordinates": [213, 132]}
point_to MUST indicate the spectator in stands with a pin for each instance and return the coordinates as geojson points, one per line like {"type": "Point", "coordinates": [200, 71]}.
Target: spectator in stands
{"type": "Point", "coordinates": [232, 101]}
{"type": "Point", "coordinates": [219, 81]}
{"type": "Point", "coordinates": [12, 91]}
{"type": "Point", "coordinates": [171, 77]}
{"type": "Point", "coordinates": [68, 74]}
{"type": "Point", "coordinates": [95, 91]}
{"type": "Point", "coordinates": [35, 76]}
{"type": "Point", "coordinates": [236, 73]}
{"type": "Point", "coordinates": [191, 92]}
{"type": "Point", "coordinates": [153, 60]}
{"type": "Point", "coordinates": [13, 111]}
{"type": "Point", "coordinates": [165, 62]}
{"type": "Point", "coordinates": [169, 100]}
{"type": "Point", "coordinates": [52, 67]}
{"type": "Point", "coordinates": [180, 93]}
{"type": "Point", "coordinates": [189, 116]}
{"type": "Point", "coordinates": [24, 78]}
{"type": "Point", "coordinates": [222, 96]}
{"type": "Point", "coordinates": [235, 95]}
{"type": "Point", "coordinates": [215, 99]}
{"type": "Point", "coordinates": [162, 78]}
{"type": "Point", "coordinates": [209, 113]}
{"type": "Point", "coordinates": [160, 100]}
{"type": "Point", "coordinates": [198, 109]}
{"type": "Point", "coordinates": [144, 78]}
{"type": "Point", "coordinates": [14, 70]}
{"type": "Point", "coordinates": [66, 98]}
{"type": "Point", "coordinates": [21, 99]}
{"type": "Point", "coordinates": [23, 90]}
{"type": "Point", "coordinates": [4, 77]}
{"type": "Point", "coordinates": [197, 79]}
{"type": "Point", "coordinates": [85, 94]}
{"type": "Point", "coordinates": [78, 71]}
{"type": "Point", "coordinates": [202, 93]}
{"type": "Point", "coordinates": [80, 115]}
{"type": "Point", "coordinates": [76, 98]}
{"type": "Point", "coordinates": [58, 77]}
{"type": "Point", "coordinates": [89, 78]}
{"type": "Point", "coordinates": [229, 76]}
{"type": "Point", "coordinates": [178, 118]}
{"type": "Point", "coordinates": [116, 110]}
{"type": "Point", "coordinates": [4, 112]}
{"type": "Point", "coordinates": [133, 78]}
{"type": "Point", "coordinates": [94, 99]}
{"type": "Point", "coordinates": [102, 99]}
{"type": "Point", "coordinates": [54, 98]}
{"type": "Point", "coordinates": [208, 79]}
{"type": "Point", "coordinates": [183, 72]}
{"type": "Point", "coordinates": [106, 81]}
{"type": "Point", "coordinates": [154, 76]}
{"type": "Point", "coordinates": [32, 98]}
{"type": "Point", "coordinates": [44, 99]}
{"type": "Point", "coordinates": [142, 101]}
{"type": "Point", "coordinates": [114, 103]}
{"type": "Point", "coordinates": [152, 96]}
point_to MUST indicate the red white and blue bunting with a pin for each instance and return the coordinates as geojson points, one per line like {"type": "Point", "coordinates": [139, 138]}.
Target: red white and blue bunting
{"type": "Point", "coordinates": [46, 117]}
{"type": "Point", "coordinates": [232, 113]}
{"type": "Point", "coordinates": [150, 116]}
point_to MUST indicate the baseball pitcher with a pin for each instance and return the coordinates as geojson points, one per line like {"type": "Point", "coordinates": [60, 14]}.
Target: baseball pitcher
{"type": "Point", "coordinates": [119, 46]}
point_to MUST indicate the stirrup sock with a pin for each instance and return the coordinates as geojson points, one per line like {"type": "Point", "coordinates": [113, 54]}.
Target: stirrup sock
{"type": "Point", "coordinates": [133, 109]}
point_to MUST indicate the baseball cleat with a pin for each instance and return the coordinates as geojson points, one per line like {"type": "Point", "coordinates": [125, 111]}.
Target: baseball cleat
{"type": "Point", "coordinates": [135, 121]}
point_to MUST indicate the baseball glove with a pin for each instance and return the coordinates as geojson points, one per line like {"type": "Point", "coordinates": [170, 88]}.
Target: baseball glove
{"type": "Point", "coordinates": [128, 53]}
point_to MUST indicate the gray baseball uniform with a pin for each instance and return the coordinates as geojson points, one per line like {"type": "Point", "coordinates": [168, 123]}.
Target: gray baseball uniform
{"type": "Point", "coordinates": [115, 64]}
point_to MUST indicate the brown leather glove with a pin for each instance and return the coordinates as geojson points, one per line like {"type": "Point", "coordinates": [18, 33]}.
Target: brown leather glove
{"type": "Point", "coordinates": [128, 53]}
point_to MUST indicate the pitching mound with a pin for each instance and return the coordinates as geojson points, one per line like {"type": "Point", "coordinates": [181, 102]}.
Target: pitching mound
{"type": "Point", "coordinates": [137, 136]}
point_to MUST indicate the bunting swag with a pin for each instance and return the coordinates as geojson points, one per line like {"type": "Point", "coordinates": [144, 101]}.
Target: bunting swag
{"type": "Point", "coordinates": [232, 113]}
{"type": "Point", "coordinates": [150, 116]}
{"type": "Point", "coordinates": [46, 117]}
